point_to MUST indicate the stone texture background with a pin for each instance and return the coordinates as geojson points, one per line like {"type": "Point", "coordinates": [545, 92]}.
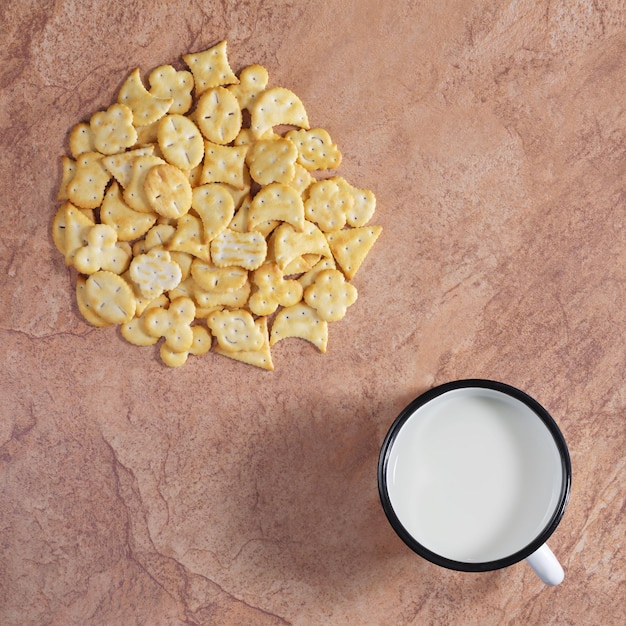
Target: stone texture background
{"type": "Point", "coordinates": [494, 136]}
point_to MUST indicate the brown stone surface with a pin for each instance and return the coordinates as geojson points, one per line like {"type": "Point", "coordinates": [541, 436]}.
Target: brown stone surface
{"type": "Point", "coordinates": [494, 136]}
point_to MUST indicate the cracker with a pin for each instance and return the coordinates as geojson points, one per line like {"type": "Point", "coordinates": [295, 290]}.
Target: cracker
{"type": "Point", "coordinates": [216, 208]}
{"type": "Point", "coordinates": [86, 189]}
{"type": "Point", "coordinates": [224, 164]}
{"type": "Point", "coordinates": [102, 252]}
{"type": "Point", "coordinates": [235, 330]}
{"type": "Point", "coordinates": [272, 290]}
{"type": "Point", "coordinates": [110, 297]}
{"type": "Point", "coordinates": [233, 298]}
{"type": "Point", "coordinates": [259, 358]}
{"type": "Point", "coordinates": [68, 167]}
{"type": "Point", "coordinates": [184, 261]}
{"type": "Point", "coordinates": [200, 344]}
{"type": "Point", "coordinates": [71, 227]}
{"type": "Point", "coordinates": [308, 278]}
{"type": "Point", "coordinates": [173, 323]}
{"type": "Point", "coordinates": [148, 134]}
{"type": "Point", "coordinates": [155, 272]}
{"type": "Point", "coordinates": [210, 68]}
{"type": "Point", "coordinates": [189, 237]}
{"type": "Point", "coordinates": [168, 190]}
{"type": "Point", "coordinates": [301, 180]}
{"type": "Point", "coordinates": [252, 81]}
{"type": "Point", "coordinates": [180, 141]}
{"type": "Point", "coordinates": [279, 202]}
{"type": "Point", "coordinates": [166, 82]}
{"type": "Point", "coordinates": [247, 250]}
{"type": "Point", "coordinates": [363, 206]}
{"type": "Point", "coordinates": [272, 161]}
{"type": "Point", "coordinates": [159, 235]}
{"type": "Point", "coordinates": [146, 107]}
{"type": "Point", "coordinates": [351, 246]}
{"type": "Point", "coordinates": [81, 139]}
{"type": "Point", "coordinates": [209, 277]}
{"type": "Point", "coordinates": [274, 107]}
{"type": "Point", "coordinates": [287, 244]}
{"type": "Point", "coordinates": [128, 224]}
{"type": "Point", "coordinates": [88, 313]}
{"type": "Point", "coordinates": [330, 295]}
{"type": "Point", "coordinates": [113, 129]}
{"type": "Point", "coordinates": [218, 115]}
{"type": "Point", "coordinates": [134, 193]}
{"type": "Point", "coordinates": [316, 150]}
{"type": "Point", "coordinates": [134, 331]}
{"type": "Point", "coordinates": [327, 204]}
{"type": "Point", "coordinates": [120, 166]}
{"type": "Point", "coordinates": [300, 321]}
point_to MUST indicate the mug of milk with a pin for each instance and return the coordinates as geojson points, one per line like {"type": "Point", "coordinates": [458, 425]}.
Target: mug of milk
{"type": "Point", "coordinates": [474, 475]}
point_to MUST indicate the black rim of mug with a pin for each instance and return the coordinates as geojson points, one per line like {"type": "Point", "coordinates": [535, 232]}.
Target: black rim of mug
{"type": "Point", "coordinates": [433, 393]}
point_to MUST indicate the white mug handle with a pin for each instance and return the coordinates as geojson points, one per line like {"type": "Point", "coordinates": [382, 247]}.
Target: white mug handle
{"type": "Point", "coordinates": [546, 565]}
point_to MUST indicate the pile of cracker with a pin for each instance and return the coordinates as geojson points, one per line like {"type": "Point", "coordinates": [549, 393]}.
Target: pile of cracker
{"type": "Point", "coordinates": [201, 213]}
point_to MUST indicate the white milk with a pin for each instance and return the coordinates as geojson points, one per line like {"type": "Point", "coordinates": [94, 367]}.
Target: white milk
{"type": "Point", "coordinates": [474, 475]}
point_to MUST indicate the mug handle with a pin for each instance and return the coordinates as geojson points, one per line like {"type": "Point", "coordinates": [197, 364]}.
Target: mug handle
{"type": "Point", "coordinates": [546, 565]}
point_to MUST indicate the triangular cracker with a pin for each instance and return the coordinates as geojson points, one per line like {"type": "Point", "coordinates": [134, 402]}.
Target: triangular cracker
{"type": "Point", "coordinates": [351, 246]}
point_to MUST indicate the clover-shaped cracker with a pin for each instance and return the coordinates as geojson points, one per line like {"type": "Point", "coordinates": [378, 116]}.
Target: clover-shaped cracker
{"type": "Point", "coordinates": [201, 344]}
{"type": "Point", "coordinates": [218, 115]}
{"type": "Point", "coordinates": [180, 141]}
{"type": "Point", "coordinates": [274, 107]}
{"type": "Point", "coordinates": [316, 150]}
{"type": "Point", "coordinates": [155, 272]}
{"type": "Point", "coordinates": [210, 68]}
{"type": "Point", "coordinates": [276, 201]}
{"type": "Point", "coordinates": [113, 129]}
{"type": "Point", "coordinates": [235, 330]}
{"type": "Point", "coordinates": [272, 160]}
{"type": "Point", "coordinates": [86, 189]}
{"type": "Point", "coordinates": [166, 82]}
{"type": "Point", "coordinates": [272, 290]}
{"type": "Point", "coordinates": [252, 81]}
{"type": "Point", "coordinates": [330, 295]}
{"type": "Point", "coordinates": [102, 251]}
{"type": "Point", "coordinates": [215, 206]}
{"type": "Point", "coordinates": [327, 205]}
{"type": "Point", "coordinates": [173, 323]}
{"type": "Point", "coordinates": [302, 321]}
{"type": "Point", "coordinates": [146, 107]}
